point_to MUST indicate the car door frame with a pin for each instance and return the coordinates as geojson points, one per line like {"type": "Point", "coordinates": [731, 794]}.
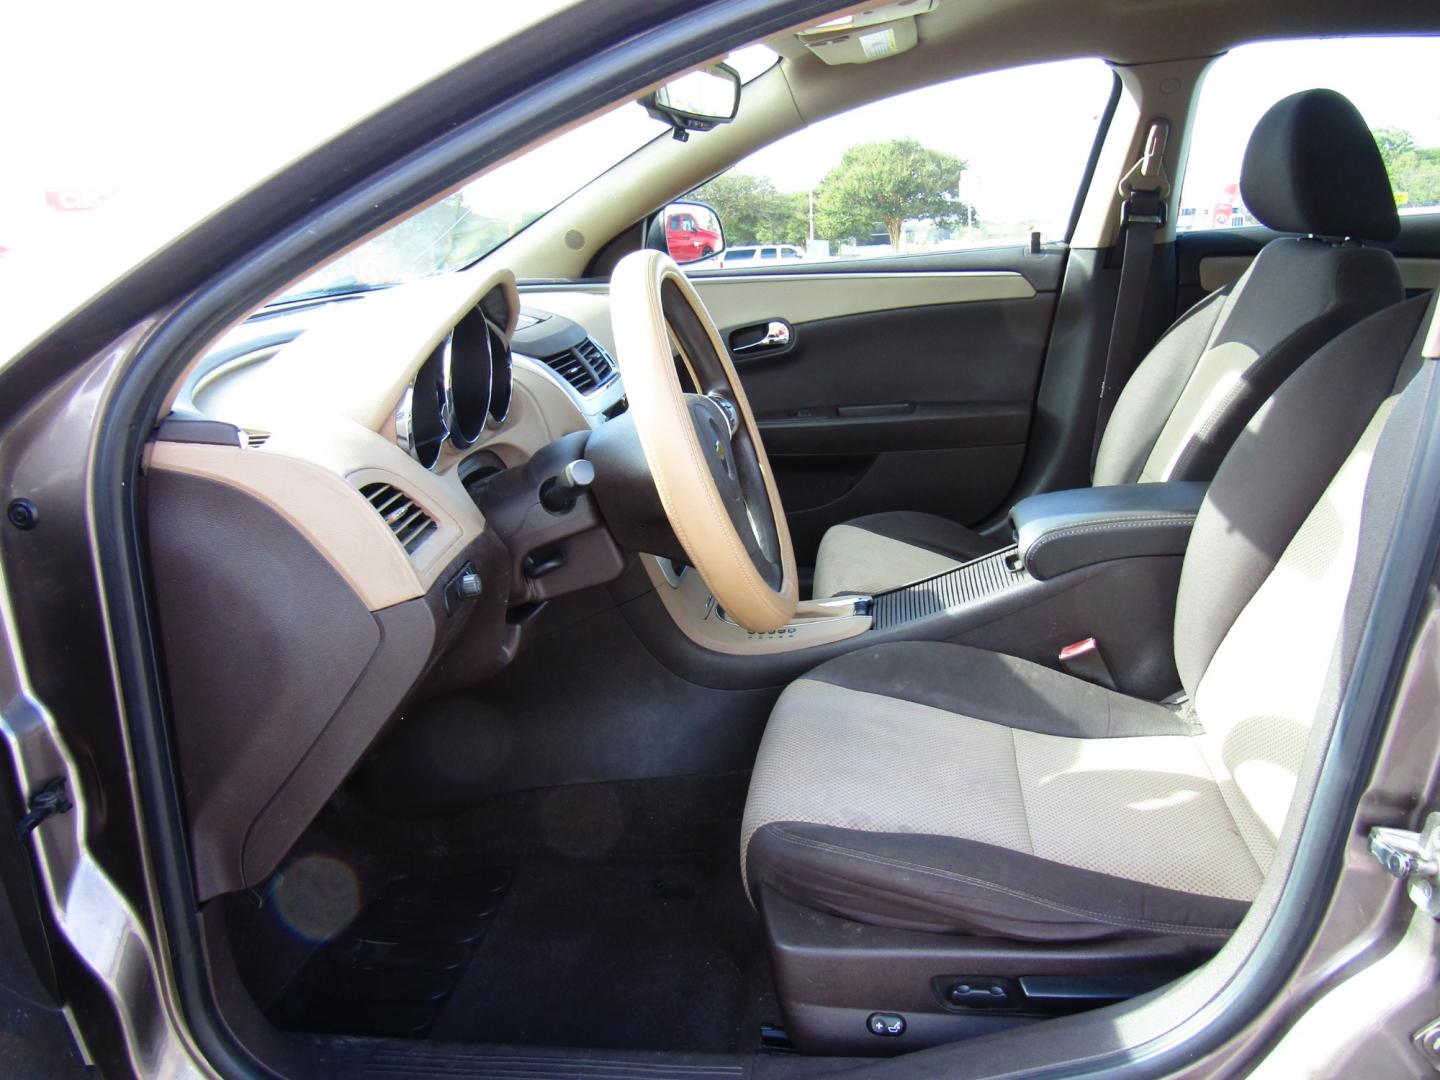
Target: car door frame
{"type": "Point", "coordinates": [175, 304]}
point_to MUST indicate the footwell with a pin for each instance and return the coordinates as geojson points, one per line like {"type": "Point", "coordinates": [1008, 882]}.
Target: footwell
{"type": "Point", "coordinates": [392, 970]}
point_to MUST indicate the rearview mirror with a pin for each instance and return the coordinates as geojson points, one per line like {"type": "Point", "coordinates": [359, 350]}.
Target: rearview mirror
{"type": "Point", "coordinates": [697, 101]}
{"type": "Point", "coordinates": [692, 233]}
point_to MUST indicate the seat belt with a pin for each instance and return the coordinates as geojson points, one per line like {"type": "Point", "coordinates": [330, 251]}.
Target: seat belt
{"type": "Point", "coordinates": [1143, 191]}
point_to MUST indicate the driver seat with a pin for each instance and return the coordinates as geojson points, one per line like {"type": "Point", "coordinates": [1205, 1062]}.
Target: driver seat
{"type": "Point", "coordinates": [929, 786]}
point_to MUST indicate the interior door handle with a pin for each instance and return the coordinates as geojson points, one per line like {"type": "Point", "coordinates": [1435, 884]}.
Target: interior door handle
{"type": "Point", "coordinates": [778, 335]}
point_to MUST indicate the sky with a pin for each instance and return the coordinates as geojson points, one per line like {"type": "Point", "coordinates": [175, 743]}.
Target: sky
{"type": "Point", "coordinates": [159, 111]}
{"type": "Point", "coordinates": [167, 109]}
{"type": "Point", "coordinates": [1390, 80]}
{"type": "Point", "coordinates": [1024, 135]}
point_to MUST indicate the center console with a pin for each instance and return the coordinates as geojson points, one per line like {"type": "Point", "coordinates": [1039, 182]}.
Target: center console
{"type": "Point", "coordinates": [1094, 562]}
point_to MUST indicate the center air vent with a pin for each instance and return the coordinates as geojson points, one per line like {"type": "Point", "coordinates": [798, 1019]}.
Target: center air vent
{"type": "Point", "coordinates": [410, 524]}
{"type": "Point", "coordinates": [586, 367]}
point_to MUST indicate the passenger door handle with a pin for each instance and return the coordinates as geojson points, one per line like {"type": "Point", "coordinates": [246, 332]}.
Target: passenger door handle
{"type": "Point", "coordinates": [770, 338]}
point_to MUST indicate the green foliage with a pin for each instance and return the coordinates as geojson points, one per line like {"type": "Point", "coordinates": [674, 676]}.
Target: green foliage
{"type": "Point", "coordinates": [1392, 142]}
{"type": "Point", "coordinates": [753, 211]}
{"type": "Point", "coordinates": [885, 184]}
{"type": "Point", "coordinates": [1414, 170]}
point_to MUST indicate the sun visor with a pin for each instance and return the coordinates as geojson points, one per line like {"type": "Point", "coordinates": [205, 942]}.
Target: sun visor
{"type": "Point", "coordinates": [866, 36]}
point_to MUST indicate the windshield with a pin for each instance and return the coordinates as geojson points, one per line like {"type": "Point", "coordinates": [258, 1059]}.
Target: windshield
{"type": "Point", "coordinates": [477, 219]}
{"type": "Point", "coordinates": [482, 215]}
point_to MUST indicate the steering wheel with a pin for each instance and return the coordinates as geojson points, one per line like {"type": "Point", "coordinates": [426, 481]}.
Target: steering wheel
{"type": "Point", "coordinates": [701, 443]}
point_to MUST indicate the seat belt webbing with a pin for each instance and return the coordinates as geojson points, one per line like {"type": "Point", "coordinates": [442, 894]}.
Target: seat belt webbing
{"type": "Point", "coordinates": [1142, 212]}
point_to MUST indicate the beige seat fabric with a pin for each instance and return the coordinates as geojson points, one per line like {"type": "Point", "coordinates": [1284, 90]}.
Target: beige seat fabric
{"type": "Point", "coordinates": [1112, 805]}
{"type": "Point", "coordinates": [935, 786]}
{"type": "Point", "coordinates": [853, 559]}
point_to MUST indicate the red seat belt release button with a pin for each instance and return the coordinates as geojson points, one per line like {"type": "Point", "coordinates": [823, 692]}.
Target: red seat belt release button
{"type": "Point", "coordinates": [1084, 660]}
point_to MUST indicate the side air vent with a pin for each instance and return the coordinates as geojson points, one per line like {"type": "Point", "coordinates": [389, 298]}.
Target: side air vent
{"type": "Point", "coordinates": [410, 524]}
{"type": "Point", "coordinates": [587, 367]}
{"type": "Point", "coordinates": [254, 439]}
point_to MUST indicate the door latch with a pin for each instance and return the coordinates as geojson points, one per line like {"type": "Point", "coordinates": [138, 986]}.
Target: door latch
{"type": "Point", "coordinates": [1414, 858]}
{"type": "Point", "coordinates": [45, 803]}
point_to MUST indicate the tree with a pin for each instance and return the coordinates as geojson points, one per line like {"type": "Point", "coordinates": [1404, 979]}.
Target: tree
{"type": "Point", "coordinates": [887, 184]}
{"type": "Point", "coordinates": [1414, 170]}
{"type": "Point", "coordinates": [754, 211]}
{"type": "Point", "coordinates": [1392, 143]}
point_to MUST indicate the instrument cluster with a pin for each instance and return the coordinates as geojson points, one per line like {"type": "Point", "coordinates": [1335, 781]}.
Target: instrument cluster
{"type": "Point", "coordinates": [464, 385]}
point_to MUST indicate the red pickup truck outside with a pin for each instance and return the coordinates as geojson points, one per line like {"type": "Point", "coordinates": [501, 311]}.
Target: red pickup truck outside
{"type": "Point", "coordinates": [686, 239]}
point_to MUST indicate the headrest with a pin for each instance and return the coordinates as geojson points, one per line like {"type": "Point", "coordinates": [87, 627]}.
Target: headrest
{"type": "Point", "coordinates": [1312, 166]}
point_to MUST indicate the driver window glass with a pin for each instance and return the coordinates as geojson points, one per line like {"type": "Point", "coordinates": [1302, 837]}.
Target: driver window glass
{"type": "Point", "coordinates": [986, 159]}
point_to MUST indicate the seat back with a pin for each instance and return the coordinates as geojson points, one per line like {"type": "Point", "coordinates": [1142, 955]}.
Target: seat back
{"type": "Point", "coordinates": [1192, 395]}
{"type": "Point", "coordinates": [1278, 575]}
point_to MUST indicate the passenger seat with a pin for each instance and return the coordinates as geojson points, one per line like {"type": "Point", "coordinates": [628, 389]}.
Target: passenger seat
{"type": "Point", "coordinates": [1311, 167]}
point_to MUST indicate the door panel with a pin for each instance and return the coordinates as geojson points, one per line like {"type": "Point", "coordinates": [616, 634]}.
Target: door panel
{"type": "Point", "coordinates": [906, 383]}
{"type": "Point", "coordinates": [801, 297]}
{"type": "Point", "coordinates": [1210, 259]}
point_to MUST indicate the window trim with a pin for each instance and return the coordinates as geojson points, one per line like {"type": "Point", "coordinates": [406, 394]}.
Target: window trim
{"type": "Point", "coordinates": [1097, 147]}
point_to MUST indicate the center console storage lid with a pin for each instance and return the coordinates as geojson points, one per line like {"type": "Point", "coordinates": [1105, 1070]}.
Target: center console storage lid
{"type": "Point", "coordinates": [1064, 530]}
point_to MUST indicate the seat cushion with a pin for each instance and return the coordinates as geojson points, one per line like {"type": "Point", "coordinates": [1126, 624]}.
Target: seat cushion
{"type": "Point", "coordinates": [933, 786]}
{"type": "Point", "coordinates": [884, 551]}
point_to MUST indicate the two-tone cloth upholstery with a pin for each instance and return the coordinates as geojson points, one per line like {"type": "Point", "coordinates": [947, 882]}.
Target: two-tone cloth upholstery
{"type": "Point", "coordinates": [1311, 167]}
{"type": "Point", "coordinates": [938, 787]}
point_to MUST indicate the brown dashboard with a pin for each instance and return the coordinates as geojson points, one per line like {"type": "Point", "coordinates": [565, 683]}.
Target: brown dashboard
{"type": "Point", "coordinates": [319, 552]}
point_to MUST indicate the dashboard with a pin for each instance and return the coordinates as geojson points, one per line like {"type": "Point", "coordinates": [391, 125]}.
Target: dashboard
{"type": "Point", "coordinates": [350, 497]}
{"type": "Point", "coordinates": [342, 496]}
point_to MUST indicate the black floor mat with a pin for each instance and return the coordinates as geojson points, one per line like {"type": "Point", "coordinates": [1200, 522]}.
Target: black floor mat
{"type": "Point", "coordinates": [664, 954]}
{"type": "Point", "coordinates": [393, 969]}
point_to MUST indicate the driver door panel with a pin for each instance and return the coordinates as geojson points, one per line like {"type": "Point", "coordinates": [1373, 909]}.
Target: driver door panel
{"type": "Point", "coordinates": [898, 389]}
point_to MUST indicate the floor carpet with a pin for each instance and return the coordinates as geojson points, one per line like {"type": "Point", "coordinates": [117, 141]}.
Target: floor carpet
{"type": "Point", "coordinates": [657, 954]}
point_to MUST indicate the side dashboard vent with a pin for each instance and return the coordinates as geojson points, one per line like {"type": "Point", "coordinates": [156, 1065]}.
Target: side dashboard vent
{"type": "Point", "coordinates": [587, 367]}
{"type": "Point", "coordinates": [254, 439]}
{"type": "Point", "coordinates": [410, 524]}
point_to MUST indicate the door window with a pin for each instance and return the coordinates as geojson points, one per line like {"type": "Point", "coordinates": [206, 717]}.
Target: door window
{"type": "Point", "coordinates": [970, 163]}
{"type": "Point", "coordinates": [1390, 80]}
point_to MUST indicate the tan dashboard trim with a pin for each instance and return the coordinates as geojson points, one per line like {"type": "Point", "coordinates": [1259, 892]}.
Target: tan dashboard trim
{"type": "Point", "coordinates": [360, 359]}
{"type": "Point", "coordinates": [323, 507]}
{"type": "Point", "coordinates": [692, 608]}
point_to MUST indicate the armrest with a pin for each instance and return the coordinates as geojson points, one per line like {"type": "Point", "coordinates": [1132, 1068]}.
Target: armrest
{"type": "Point", "coordinates": [1065, 530]}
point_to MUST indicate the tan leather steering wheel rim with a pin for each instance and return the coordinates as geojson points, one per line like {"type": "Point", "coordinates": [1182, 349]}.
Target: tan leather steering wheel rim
{"type": "Point", "coordinates": [701, 443]}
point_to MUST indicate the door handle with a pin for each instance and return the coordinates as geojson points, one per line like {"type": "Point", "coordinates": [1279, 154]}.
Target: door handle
{"type": "Point", "coordinates": [776, 335]}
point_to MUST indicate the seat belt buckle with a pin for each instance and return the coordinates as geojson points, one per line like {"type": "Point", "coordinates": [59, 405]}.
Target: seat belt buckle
{"type": "Point", "coordinates": [1084, 660]}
